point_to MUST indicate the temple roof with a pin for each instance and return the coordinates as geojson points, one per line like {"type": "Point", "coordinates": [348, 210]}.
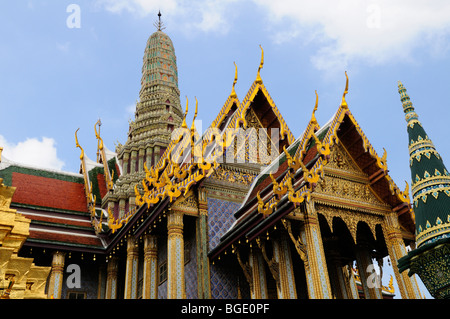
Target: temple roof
{"type": "Point", "coordinates": [275, 195]}
{"type": "Point", "coordinates": [430, 179]}
{"type": "Point", "coordinates": [56, 204]}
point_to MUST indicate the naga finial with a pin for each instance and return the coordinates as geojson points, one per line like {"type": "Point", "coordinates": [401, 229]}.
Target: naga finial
{"type": "Point", "coordinates": [233, 92]}
{"type": "Point", "coordinates": [184, 125]}
{"type": "Point", "coordinates": [258, 76]}
{"type": "Point", "coordinates": [78, 145]}
{"type": "Point", "coordinates": [195, 114]}
{"type": "Point", "coordinates": [313, 117]}
{"type": "Point", "coordinates": [344, 102]}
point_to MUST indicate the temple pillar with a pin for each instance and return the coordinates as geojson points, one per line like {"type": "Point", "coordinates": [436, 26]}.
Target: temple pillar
{"type": "Point", "coordinates": [316, 271]}
{"type": "Point", "coordinates": [156, 153]}
{"type": "Point", "coordinates": [363, 261]}
{"type": "Point", "coordinates": [396, 247]}
{"type": "Point", "coordinates": [131, 275]}
{"type": "Point", "coordinates": [56, 275]}
{"type": "Point", "coordinates": [111, 278]}
{"type": "Point", "coordinates": [150, 285]}
{"type": "Point", "coordinates": [259, 284]}
{"type": "Point", "coordinates": [133, 161]}
{"type": "Point", "coordinates": [175, 256]}
{"type": "Point", "coordinates": [149, 155]}
{"type": "Point", "coordinates": [203, 271]}
{"type": "Point", "coordinates": [122, 207]}
{"type": "Point", "coordinates": [125, 162]}
{"type": "Point", "coordinates": [141, 160]}
{"type": "Point", "coordinates": [286, 280]}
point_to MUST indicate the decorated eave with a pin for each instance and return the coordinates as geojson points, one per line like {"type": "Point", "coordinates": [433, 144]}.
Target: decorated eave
{"type": "Point", "coordinates": [273, 196]}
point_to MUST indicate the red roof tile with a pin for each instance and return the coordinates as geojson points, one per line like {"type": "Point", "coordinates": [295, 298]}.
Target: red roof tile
{"type": "Point", "coordinates": [48, 192]}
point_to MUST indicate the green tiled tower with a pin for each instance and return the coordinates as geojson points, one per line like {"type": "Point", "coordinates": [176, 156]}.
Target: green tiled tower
{"type": "Point", "coordinates": [431, 196]}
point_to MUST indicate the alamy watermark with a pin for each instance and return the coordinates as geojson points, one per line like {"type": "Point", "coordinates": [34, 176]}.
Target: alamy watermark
{"type": "Point", "coordinates": [232, 145]}
{"type": "Point", "coordinates": [73, 21]}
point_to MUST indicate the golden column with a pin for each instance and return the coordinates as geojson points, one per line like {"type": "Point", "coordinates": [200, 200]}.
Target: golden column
{"type": "Point", "coordinates": [286, 284]}
{"type": "Point", "coordinates": [175, 256]}
{"type": "Point", "coordinates": [259, 286]}
{"type": "Point", "coordinates": [316, 271]}
{"type": "Point", "coordinates": [56, 276]}
{"type": "Point", "coordinates": [150, 287]}
{"type": "Point", "coordinates": [396, 247]}
{"type": "Point", "coordinates": [203, 270]}
{"type": "Point", "coordinates": [131, 275]}
{"type": "Point", "coordinates": [111, 278]}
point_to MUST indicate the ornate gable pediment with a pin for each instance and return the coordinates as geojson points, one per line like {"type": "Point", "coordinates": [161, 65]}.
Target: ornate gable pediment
{"type": "Point", "coordinates": [187, 204]}
{"type": "Point", "coordinates": [345, 183]}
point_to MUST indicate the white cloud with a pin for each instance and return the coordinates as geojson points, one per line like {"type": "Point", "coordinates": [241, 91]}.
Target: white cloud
{"type": "Point", "coordinates": [186, 15]}
{"type": "Point", "coordinates": [375, 31]}
{"type": "Point", "coordinates": [341, 31]}
{"type": "Point", "coordinates": [40, 153]}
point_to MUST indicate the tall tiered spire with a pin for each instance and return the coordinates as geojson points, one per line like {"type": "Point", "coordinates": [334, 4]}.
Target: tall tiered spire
{"type": "Point", "coordinates": [158, 113]}
{"type": "Point", "coordinates": [431, 195]}
{"type": "Point", "coordinates": [430, 179]}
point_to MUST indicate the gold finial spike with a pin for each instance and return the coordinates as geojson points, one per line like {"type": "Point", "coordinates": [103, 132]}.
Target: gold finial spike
{"type": "Point", "coordinates": [313, 117]}
{"type": "Point", "coordinates": [233, 92]}
{"type": "Point", "coordinates": [195, 114]}
{"type": "Point", "coordinates": [344, 102]}
{"type": "Point", "coordinates": [258, 76]}
{"type": "Point", "coordinates": [1, 149]}
{"type": "Point", "coordinates": [78, 145]}
{"type": "Point", "coordinates": [184, 125]}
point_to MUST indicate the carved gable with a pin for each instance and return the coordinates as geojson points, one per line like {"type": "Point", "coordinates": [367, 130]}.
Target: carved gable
{"type": "Point", "coordinates": [345, 182]}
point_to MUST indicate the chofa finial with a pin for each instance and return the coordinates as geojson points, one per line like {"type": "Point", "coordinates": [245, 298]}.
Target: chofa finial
{"type": "Point", "coordinates": [258, 76]}
{"type": "Point", "coordinates": [344, 102]}
{"type": "Point", "coordinates": [233, 92]}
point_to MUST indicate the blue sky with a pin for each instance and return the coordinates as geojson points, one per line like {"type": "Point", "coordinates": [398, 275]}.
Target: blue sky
{"type": "Point", "coordinates": [55, 79]}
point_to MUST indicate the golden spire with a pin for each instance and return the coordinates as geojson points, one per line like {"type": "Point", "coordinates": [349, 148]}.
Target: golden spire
{"type": "Point", "coordinates": [233, 92]}
{"type": "Point", "coordinates": [313, 117]}
{"type": "Point", "coordinates": [344, 102]}
{"type": "Point", "coordinates": [258, 76]}
{"type": "Point", "coordinates": [195, 114]}
{"type": "Point", "coordinates": [184, 125]}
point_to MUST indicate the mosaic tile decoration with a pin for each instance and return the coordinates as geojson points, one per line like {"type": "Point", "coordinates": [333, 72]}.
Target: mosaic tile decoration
{"type": "Point", "coordinates": [220, 219]}
{"type": "Point", "coordinates": [223, 284]}
{"type": "Point", "coordinates": [190, 270]}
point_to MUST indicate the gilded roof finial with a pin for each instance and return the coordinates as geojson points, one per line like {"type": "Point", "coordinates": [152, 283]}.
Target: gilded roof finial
{"type": "Point", "coordinates": [78, 145]}
{"type": "Point", "coordinates": [195, 114]}
{"type": "Point", "coordinates": [233, 92]}
{"type": "Point", "coordinates": [184, 125]}
{"type": "Point", "coordinates": [258, 76]}
{"type": "Point", "coordinates": [344, 102]}
{"type": "Point", "coordinates": [159, 25]}
{"type": "Point", "coordinates": [313, 117]}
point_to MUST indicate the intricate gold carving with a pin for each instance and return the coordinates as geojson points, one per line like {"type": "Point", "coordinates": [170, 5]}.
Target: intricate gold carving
{"type": "Point", "coordinates": [350, 218]}
{"type": "Point", "coordinates": [233, 176]}
{"type": "Point", "coordinates": [299, 245]}
{"type": "Point", "coordinates": [345, 189]}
